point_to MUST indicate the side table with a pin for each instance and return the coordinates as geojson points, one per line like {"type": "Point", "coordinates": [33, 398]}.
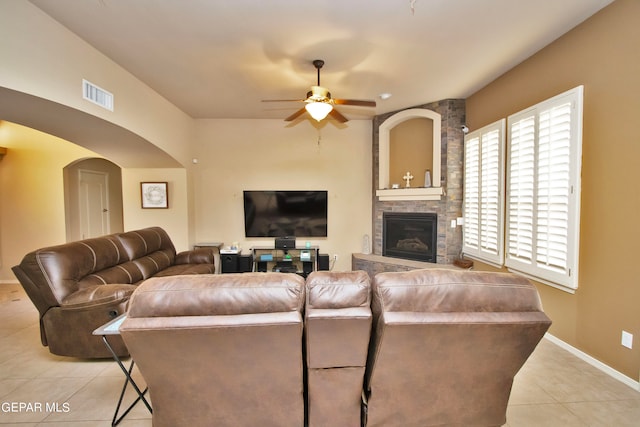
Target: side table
{"type": "Point", "coordinates": [112, 328]}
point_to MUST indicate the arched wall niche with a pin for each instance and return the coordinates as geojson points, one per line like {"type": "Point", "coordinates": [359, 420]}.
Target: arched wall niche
{"type": "Point", "coordinates": [385, 192]}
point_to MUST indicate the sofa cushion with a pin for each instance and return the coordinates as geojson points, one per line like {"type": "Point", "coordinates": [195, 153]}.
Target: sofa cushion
{"type": "Point", "coordinates": [444, 290]}
{"type": "Point", "coordinates": [338, 290]}
{"type": "Point", "coordinates": [148, 240]}
{"type": "Point", "coordinates": [127, 272]}
{"type": "Point", "coordinates": [185, 269]}
{"type": "Point", "coordinates": [211, 295]}
{"type": "Point", "coordinates": [154, 262]}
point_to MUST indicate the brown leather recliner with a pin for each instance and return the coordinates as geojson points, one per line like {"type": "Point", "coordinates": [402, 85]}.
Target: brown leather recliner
{"type": "Point", "coordinates": [337, 329]}
{"type": "Point", "coordinates": [79, 286]}
{"type": "Point", "coordinates": [446, 346]}
{"type": "Point", "coordinates": [220, 350]}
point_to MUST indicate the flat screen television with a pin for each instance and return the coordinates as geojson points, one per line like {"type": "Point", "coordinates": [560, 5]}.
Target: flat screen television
{"type": "Point", "coordinates": [285, 213]}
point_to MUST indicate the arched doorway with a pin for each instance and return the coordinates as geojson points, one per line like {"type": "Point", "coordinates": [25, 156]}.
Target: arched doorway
{"type": "Point", "coordinates": [93, 198]}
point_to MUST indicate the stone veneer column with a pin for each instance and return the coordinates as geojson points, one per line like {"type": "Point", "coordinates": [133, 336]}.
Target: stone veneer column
{"type": "Point", "coordinates": [450, 206]}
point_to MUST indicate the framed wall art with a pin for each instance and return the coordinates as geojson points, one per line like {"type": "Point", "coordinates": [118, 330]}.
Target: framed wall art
{"type": "Point", "coordinates": [154, 195]}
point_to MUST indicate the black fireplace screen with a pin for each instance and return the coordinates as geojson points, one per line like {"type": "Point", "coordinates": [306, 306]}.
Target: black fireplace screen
{"type": "Point", "coordinates": [410, 235]}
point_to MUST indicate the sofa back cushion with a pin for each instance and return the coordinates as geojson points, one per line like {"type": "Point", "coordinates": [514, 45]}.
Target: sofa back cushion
{"type": "Point", "coordinates": [333, 290]}
{"type": "Point", "coordinates": [150, 249]}
{"type": "Point", "coordinates": [447, 344]}
{"type": "Point", "coordinates": [337, 318]}
{"type": "Point", "coordinates": [223, 350]}
{"type": "Point", "coordinates": [56, 271]}
{"type": "Point", "coordinates": [143, 242]}
{"type": "Point", "coordinates": [215, 295]}
{"type": "Point", "coordinates": [337, 329]}
{"type": "Point", "coordinates": [446, 291]}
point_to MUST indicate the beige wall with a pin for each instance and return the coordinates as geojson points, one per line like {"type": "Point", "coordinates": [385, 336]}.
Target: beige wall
{"type": "Point", "coordinates": [237, 155]}
{"type": "Point", "coordinates": [602, 55]}
{"type": "Point", "coordinates": [175, 219]}
{"type": "Point", "coordinates": [31, 192]}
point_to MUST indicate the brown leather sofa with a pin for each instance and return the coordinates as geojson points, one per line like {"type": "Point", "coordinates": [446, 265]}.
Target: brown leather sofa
{"type": "Point", "coordinates": [79, 286]}
{"type": "Point", "coordinates": [337, 330]}
{"type": "Point", "coordinates": [446, 345]}
{"type": "Point", "coordinates": [220, 350]}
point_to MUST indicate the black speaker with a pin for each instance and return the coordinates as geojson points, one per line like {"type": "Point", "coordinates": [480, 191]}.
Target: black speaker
{"type": "Point", "coordinates": [323, 262]}
{"type": "Point", "coordinates": [244, 263]}
{"type": "Point", "coordinates": [288, 242]}
{"type": "Point", "coordinates": [307, 267]}
{"type": "Point", "coordinates": [229, 263]}
{"type": "Point", "coordinates": [262, 266]}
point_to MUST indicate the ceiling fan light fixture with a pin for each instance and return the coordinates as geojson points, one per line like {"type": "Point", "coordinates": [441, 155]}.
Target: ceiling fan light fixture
{"type": "Point", "coordinates": [318, 110]}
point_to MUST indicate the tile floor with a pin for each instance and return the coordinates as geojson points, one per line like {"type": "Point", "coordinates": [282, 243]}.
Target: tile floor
{"type": "Point", "coordinates": [554, 388]}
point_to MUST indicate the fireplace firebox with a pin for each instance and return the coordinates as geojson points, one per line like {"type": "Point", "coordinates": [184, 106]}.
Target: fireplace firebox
{"type": "Point", "coordinates": [411, 235]}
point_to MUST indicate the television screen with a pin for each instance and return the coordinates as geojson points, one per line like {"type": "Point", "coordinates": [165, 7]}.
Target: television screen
{"type": "Point", "coordinates": [285, 213]}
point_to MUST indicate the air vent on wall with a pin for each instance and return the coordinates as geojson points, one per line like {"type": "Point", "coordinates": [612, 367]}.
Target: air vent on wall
{"type": "Point", "coordinates": [97, 95]}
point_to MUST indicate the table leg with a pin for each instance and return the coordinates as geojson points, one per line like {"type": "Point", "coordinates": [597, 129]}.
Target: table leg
{"type": "Point", "coordinates": [128, 380]}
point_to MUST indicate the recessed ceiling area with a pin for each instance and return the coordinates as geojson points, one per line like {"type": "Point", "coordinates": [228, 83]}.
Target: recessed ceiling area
{"type": "Point", "coordinates": [219, 59]}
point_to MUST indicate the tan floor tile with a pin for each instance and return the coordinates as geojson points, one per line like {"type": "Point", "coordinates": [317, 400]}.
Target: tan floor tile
{"type": "Point", "coordinates": [40, 396]}
{"type": "Point", "coordinates": [97, 401]}
{"type": "Point", "coordinates": [547, 415]}
{"type": "Point", "coordinates": [619, 413]}
{"type": "Point", "coordinates": [9, 385]}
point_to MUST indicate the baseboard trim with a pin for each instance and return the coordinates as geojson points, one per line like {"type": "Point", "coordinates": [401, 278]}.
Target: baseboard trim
{"type": "Point", "coordinates": [595, 362]}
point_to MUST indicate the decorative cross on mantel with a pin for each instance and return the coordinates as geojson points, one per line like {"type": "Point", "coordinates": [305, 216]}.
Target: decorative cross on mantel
{"type": "Point", "coordinates": [408, 177]}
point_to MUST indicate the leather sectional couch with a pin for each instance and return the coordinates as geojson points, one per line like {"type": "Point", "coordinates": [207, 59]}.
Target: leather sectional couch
{"type": "Point", "coordinates": [420, 348]}
{"type": "Point", "coordinates": [79, 286]}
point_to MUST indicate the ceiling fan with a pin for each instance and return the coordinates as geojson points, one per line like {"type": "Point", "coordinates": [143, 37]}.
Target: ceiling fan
{"type": "Point", "coordinates": [319, 103]}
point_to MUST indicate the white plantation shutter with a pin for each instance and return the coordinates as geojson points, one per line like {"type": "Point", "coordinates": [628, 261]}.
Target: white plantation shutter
{"type": "Point", "coordinates": [471, 225]}
{"type": "Point", "coordinates": [520, 194]}
{"type": "Point", "coordinates": [543, 178]}
{"type": "Point", "coordinates": [483, 193]}
{"type": "Point", "coordinates": [554, 186]}
{"type": "Point", "coordinates": [491, 191]}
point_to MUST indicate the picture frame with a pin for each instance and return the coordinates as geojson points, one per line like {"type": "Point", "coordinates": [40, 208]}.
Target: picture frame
{"type": "Point", "coordinates": [154, 195]}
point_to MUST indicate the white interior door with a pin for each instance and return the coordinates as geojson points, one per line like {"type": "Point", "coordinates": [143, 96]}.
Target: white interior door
{"type": "Point", "coordinates": [94, 203]}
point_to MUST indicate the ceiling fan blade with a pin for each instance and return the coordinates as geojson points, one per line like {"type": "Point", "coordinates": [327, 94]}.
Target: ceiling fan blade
{"type": "Point", "coordinates": [339, 117]}
{"type": "Point", "coordinates": [356, 102]}
{"type": "Point", "coordinates": [283, 100]}
{"type": "Point", "coordinates": [295, 115]}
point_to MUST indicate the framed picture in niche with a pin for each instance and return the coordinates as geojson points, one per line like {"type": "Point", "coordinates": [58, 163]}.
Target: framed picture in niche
{"type": "Point", "coordinates": [154, 195]}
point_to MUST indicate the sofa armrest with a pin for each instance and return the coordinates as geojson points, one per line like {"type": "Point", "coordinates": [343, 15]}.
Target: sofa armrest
{"type": "Point", "coordinates": [196, 256]}
{"type": "Point", "coordinates": [93, 296]}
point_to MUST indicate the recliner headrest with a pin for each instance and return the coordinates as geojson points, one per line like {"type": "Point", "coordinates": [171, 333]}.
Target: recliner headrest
{"type": "Point", "coordinates": [446, 290]}
{"type": "Point", "coordinates": [221, 294]}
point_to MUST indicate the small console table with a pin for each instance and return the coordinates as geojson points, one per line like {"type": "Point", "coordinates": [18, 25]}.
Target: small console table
{"type": "Point", "coordinates": [112, 328]}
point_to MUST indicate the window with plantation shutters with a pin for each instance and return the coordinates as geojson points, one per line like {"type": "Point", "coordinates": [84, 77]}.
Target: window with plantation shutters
{"type": "Point", "coordinates": [483, 193]}
{"type": "Point", "coordinates": [543, 190]}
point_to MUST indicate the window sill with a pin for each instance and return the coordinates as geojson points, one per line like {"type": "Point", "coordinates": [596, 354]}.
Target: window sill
{"type": "Point", "coordinates": [559, 286]}
{"type": "Point", "coordinates": [417, 193]}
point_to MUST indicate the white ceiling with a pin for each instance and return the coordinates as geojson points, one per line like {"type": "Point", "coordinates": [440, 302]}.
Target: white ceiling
{"type": "Point", "coordinates": [219, 59]}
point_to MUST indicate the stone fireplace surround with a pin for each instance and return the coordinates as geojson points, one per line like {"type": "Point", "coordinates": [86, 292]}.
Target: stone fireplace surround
{"type": "Point", "coordinates": [448, 208]}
